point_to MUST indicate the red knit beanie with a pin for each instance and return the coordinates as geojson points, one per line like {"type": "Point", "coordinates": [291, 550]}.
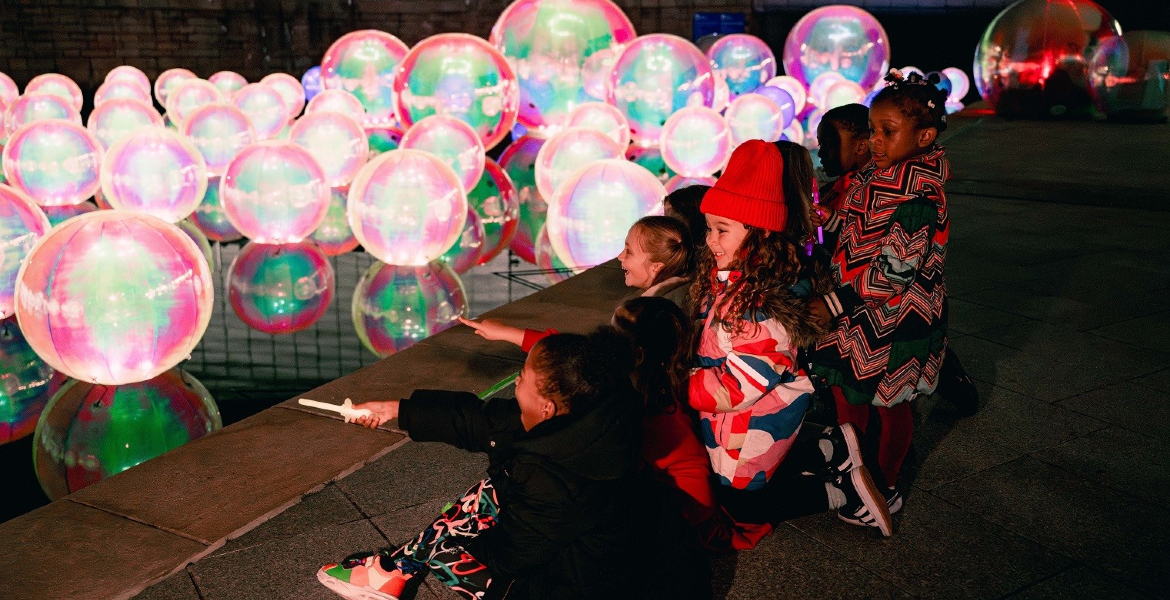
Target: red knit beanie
{"type": "Point", "coordinates": [751, 188]}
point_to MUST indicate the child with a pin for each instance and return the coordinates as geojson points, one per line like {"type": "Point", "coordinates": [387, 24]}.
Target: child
{"type": "Point", "coordinates": [557, 507]}
{"type": "Point", "coordinates": [889, 333]}
{"type": "Point", "coordinates": [749, 389]}
{"type": "Point", "coordinates": [683, 204]}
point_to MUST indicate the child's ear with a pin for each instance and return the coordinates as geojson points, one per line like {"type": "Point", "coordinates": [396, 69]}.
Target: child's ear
{"type": "Point", "coordinates": [926, 137]}
{"type": "Point", "coordinates": [862, 147]}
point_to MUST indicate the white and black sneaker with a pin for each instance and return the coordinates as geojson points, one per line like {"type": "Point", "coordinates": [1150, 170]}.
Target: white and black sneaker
{"type": "Point", "coordinates": [893, 499]}
{"type": "Point", "coordinates": [864, 503]}
{"type": "Point", "coordinates": [842, 449]}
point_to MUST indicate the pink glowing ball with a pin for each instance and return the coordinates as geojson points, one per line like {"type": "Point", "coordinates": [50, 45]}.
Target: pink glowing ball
{"type": "Point", "coordinates": [114, 297]}
{"type": "Point", "coordinates": [519, 162]}
{"type": "Point", "coordinates": [656, 75]}
{"type": "Point", "coordinates": [189, 96]}
{"type": "Point", "coordinates": [679, 182]}
{"type": "Point", "coordinates": [744, 63]}
{"type": "Point", "coordinates": [603, 117]}
{"type": "Point", "coordinates": [396, 306]}
{"type": "Point", "coordinates": [280, 289]}
{"type": "Point", "coordinates": [754, 117]}
{"type": "Point", "coordinates": [274, 193]}
{"type": "Point", "coordinates": [555, 270]}
{"type": "Point", "coordinates": [115, 119]}
{"type": "Point", "coordinates": [38, 107]}
{"type": "Point", "coordinates": [407, 207]}
{"type": "Point", "coordinates": [796, 90]}
{"type": "Point", "coordinates": [168, 80]}
{"type": "Point", "coordinates": [837, 39]}
{"type": "Point", "coordinates": [290, 90]}
{"type": "Point", "coordinates": [265, 108]}
{"type": "Point", "coordinates": [569, 151]}
{"type": "Point", "coordinates": [337, 101]}
{"type": "Point", "coordinates": [121, 90]}
{"type": "Point", "coordinates": [453, 141]}
{"type": "Point", "coordinates": [54, 162]}
{"type": "Point", "coordinates": [219, 131]}
{"type": "Point", "coordinates": [129, 74]}
{"type": "Point", "coordinates": [336, 140]}
{"type": "Point", "coordinates": [494, 198]}
{"type": "Point", "coordinates": [8, 90]}
{"type": "Point", "coordinates": [155, 171]}
{"type": "Point", "coordinates": [696, 142]}
{"type": "Point", "coordinates": [58, 85]}
{"type": "Point", "coordinates": [209, 216]}
{"type": "Point", "coordinates": [228, 82]}
{"type": "Point", "coordinates": [22, 223]}
{"type": "Point", "coordinates": [334, 235]}
{"type": "Point", "coordinates": [364, 63]}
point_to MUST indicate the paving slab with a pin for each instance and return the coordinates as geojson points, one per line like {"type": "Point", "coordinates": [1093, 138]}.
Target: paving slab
{"type": "Point", "coordinates": [1125, 538]}
{"type": "Point", "coordinates": [1156, 381]}
{"type": "Point", "coordinates": [402, 525]}
{"type": "Point", "coordinates": [1131, 405]}
{"type": "Point", "coordinates": [257, 467]}
{"type": "Point", "coordinates": [943, 454]}
{"type": "Point", "coordinates": [967, 316]}
{"type": "Point", "coordinates": [414, 474]}
{"type": "Point", "coordinates": [1150, 331]}
{"type": "Point", "coordinates": [1079, 582]}
{"type": "Point", "coordinates": [179, 586]}
{"type": "Point", "coordinates": [315, 511]}
{"type": "Point", "coordinates": [117, 556]}
{"type": "Point", "coordinates": [1023, 424]}
{"type": "Point", "coordinates": [1132, 464]}
{"type": "Point", "coordinates": [939, 551]}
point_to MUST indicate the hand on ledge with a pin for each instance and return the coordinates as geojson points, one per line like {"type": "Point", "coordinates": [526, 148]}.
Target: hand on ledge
{"type": "Point", "coordinates": [490, 329]}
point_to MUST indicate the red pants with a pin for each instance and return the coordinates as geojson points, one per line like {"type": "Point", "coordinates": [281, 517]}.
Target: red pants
{"type": "Point", "coordinates": [897, 431]}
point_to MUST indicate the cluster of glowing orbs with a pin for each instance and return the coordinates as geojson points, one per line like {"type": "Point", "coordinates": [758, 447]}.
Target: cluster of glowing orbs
{"type": "Point", "coordinates": [653, 77]}
{"type": "Point", "coordinates": [364, 63]}
{"type": "Point", "coordinates": [782, 99]}
{"type": "Point", "coordinates": [407, 207]}
{"type": "Point", "coordinates": [754, 117]}
{"type": "Point", "coordinates": [290, 90]}
{"type": "Point", "coordinates": [311, 82]}
{"type": "Point", "coordinates": [462, 76]}
{"type": "Point", "coordinates": [210, 217]}
{"type": "Point", "coordinates": [115, 119]}
{"type": "Point", "coordinates": [555, 270]}
{"type": "Point", "coordinates": [189, 96]}
{"type": "Point", "coordinates": [280, 288]}
{"type": "Point", "coordinates": [60, 214]}
{"type": "Point", "coordinates": [8, 90]}
{"type": "Point", "coordinates": [337, 101]}
{"type": "Point", "coordinates": [265, 108]}
{"type": "Point", "coordinates": [334, 235]}
{"type": "Point", "coordinates": [1128, 74]}
{"type": "Point", "coordinates": [455, 143]}
{"type": "Point", "coordinates": [58, 85]}
{"type": "Point", "coordinates": [519, 162]}
{"type": "Point", "coordinates": [383, 139]}
{"type": "Point", "coordinates": [495, 200]}
{"type": "Point", "coordinates": [155, 171]}
{"type": "Point", "coordinates": [121, 90]}
{"type": "Point", "coordinates": [796, 90]}
{"type": "Point", "coordinates": [679, 182]}
{"type": "Point", "coordinates": [1032, 59]}
{"type": "Point", "coordinates": [592, 211]}
{"type": "Point", "coordinates": [168, 80]}
{"type": "Point", "coordinates": [89, 432]}
{"type": "Point", "coordinates": [337, 141]}
{"type": "Point", "coordinates": [54, 162]}
{"type": "Point", "coordinates": [696, 142]}
{"type": "Point", "coordinates": [128, 74]}
{"type": "Point", "coordinates": [274, 192]}
{"type": "Point", "coordinates": [722, 95]}
{"type": "Point", "coordinates": [22, 223]}
{"type": "Point", "coordinates": [464, 253]}
{"type": "Point", "coordinates": [219, 131]}
{"type": "Point", "coordinates": [114, 297]}
{"type": "Point", "coordinates": [38, 107]}
{"type": "Point", "coordinates": [650, 158]}
{"type": "Point", "coordinates": [26, 384]}
{"type": "Point", "coordinates": [603, 117]}
{"type": "Point", "coordinates": [396, 306]}
{"type": "Point", "coordinates": [743, 61]}
{"type": "Point", "coordinates": [228, 82]}
{"type": "Point", "coordinates": [569, 151]}
{"type": "Point", "coordinates": [595, 72]}
{"type": "Point", "coordinates": [839, 38]}
{"type": "Point", "coordinates": [548, 43]}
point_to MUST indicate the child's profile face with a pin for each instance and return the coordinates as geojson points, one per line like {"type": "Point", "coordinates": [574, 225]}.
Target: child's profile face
{"type": "Point", "coordinates": [724, 237]}
{"type": "Point", "coordinates": [636, 264]}
{"type": "Point", "coordinates": [894, 137]}
{"type": "Point", "coordinates": [841, 151]}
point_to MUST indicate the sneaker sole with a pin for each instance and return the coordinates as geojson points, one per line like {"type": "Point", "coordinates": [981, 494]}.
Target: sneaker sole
{"type": "Point", "coordinates": [874, 502]}
{"type": "Point", "coordinates": [850, 436]}
{"type": "Point", "coordinates": [350, 591]}
{"type": "Point", "coordinates": [896, 505]}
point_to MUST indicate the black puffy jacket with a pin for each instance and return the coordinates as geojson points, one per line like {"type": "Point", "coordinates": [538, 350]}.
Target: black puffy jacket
{"type": "Point", "coordinates": [566, 491]}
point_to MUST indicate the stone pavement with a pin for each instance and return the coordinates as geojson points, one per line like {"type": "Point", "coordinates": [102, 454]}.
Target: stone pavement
{"type": "Point", "coordinates": [1059, 487]}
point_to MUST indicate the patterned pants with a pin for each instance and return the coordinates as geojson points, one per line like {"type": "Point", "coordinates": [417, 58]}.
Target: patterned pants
{"type": "Point", "coordinates": [440, 546]}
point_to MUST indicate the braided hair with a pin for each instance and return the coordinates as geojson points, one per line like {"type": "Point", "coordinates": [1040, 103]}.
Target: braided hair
{"type": "Point", "coordinates": [918, 98]}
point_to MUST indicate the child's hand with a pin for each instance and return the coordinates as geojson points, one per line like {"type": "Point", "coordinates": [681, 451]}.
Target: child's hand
{"type": "Point", "coordinates": [490, 329]}
{"type": "Point", "coordinates": [820, 214]}
{"type": "Point", "coordinates": [380, 412]}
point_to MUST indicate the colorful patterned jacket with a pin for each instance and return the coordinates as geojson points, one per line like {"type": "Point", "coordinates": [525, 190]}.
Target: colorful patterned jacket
{"type": "Point", "coordinates": [751, 396]}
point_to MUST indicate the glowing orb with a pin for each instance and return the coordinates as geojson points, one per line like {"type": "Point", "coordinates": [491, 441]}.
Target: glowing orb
{"type": "Point", "coordinates": [960, 83]}
{"type": "Point", "coordinates": [54, 162]}
{"type": "Point", "coordinates": [1128, 75]}
{"type": "Point", "coordinates": [407, 207]}
{"type": "Point", "coordinates": [743, 61]}
{"type": "Point", "coordinates": [696, 142]}
{"type": "Point", "coordinates": [8, 90]}
{"type": "Point", "coordinates": [122, 90]}
{"type": "Point", "coordinates": [290, 91]}
{"type": "Point", "coordinates": [26, 384]}
{"type": "Point", "coordinates": [58, 85]}
{"type": "Point", "coordinates": [595, 72]}
{"type": "Point", "coordinates": [311, 83]}
{"type": "Point", "coordinates": [22, 223]}
{"type": "Point", "coordinates": [167, 82]}
{"type": "Point", "coordinates": [679, 182]}
{"type": "Point", "coordinates": [464, 254]}
{"type": "Point", "coordinates": [280, 288]}
{"type": "Point", "coordinates": [654, 76]}
{"type": "Point", "coordinates": [337, 141]}
{"type": "Point", "coordinates": [199, 238]}
{"type": "Point", "coordinates": [603, 117]}
{"type": "Point", "coordinates": [795, 88]}
{"type": "Point", "coordinates": [334, 235]}
{"type": "Point", "coordinates": [494, 199]}
{"type": "Point", "coordinates": [841, 39]}
{"type": "Point", "coordinates": [811, 123]}
{"type": "Point", "coordinates": [754, 117]}
{"type": "Point", "coordinates": [547, 260]}
{"type": "Point", "coordinates": [840, 94]}
{"type": "Point", "coordinates": [210, 218]}
{"type": "Point", "coordinates": [337, 101]}
{"type": "Point", "coordinates": [569, 151]}
{"type": "Point", "coordinates": [60, 214]}
{"type": "Point", "coordinates": [453, 141]}
{"type": "Point", "coordinates": [114, 297]}
{"type": "Point", "coordinates": [722, 95]}
{"type": "Point", "coordinates": [519, 162]}
{"type": "Point", "coordinates": [363, 63]}
{"type": "Point", "coordinates": [155, 171]}
{"type": "Point", "coordinates": [228, 82]}
{"type": "Point", "coordinates": [115, 119]}
{"type": "Point", "coordinates": [650, 158]}
{"type": "Point", "coordinates": [189, 96]}
{"type": "Point", "coordinates": [396, 306]}
{"type": "Point", "coordinates": [265, 109]}
{"type": "Point", "coordinates": [782, 99]}
{"type": "Point", "coordinates": [219, 132]}
{"type": "Point", "coordinates": [38, 107]}
{"type": "Point", "coordinates": [128, 74]}
{"type": "Point", "coordinates": [383, 139]}
{"type": "Point", "coordinates": [274, 193]}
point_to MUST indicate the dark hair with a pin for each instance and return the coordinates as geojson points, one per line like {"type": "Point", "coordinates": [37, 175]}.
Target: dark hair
{"type": "Point", "coordinates": [577, 372]}
{"type": "Point", "coordinates": [662, 332]}
{"type": "Point", "coordinates": [919, 99]}
{"type": "Point", "coordinates": [797, 182]}
{"type": "Point", "coordinates": [666, 241]}
{"type": "Point", "coordinates": [683, 204]}
{"type": "Point", "coordinates": [853, 118]}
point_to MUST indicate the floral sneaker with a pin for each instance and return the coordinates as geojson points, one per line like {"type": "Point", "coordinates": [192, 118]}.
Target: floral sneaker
{"type": "Point", "coordinates": [363, 578]}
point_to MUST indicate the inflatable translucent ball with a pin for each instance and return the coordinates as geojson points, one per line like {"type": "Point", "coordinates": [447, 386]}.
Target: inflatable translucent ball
{"type": "Point", "coordinates": [121, 90]}
{"type": "Point", "coordinates": [679, 182]}
{"type": "Point", "coordinates": [228, 82]}
{"type": "Point", "coordinates": [383, 139]}
{"type": "Point", "coordinates": [842, 93]}
{"type": "Point", "coordinates": [519, 162]}
{"type": "Point", "coordinates": [155, 171]}
{"type": "Point", "coordinates": [58, 85]}
{"type": "Point", "coordinates": [696, 142]}
{"type": "Point", "coordinates": [453, 141]}
{"type": "Point", "coordinates": [495, 200]}
{"type": "Point", "coordinates": [265, 108]}
{"type": "Point", "coordinates": [1128, 75]}
{"type": "Point", "coordinates": [464, 254]}
{"type": "Point", "coordinates": [337, 101]}
{"type": "Point", "coordinates": [548, 43]}
{"type": "Point", "coordinates": [960, 83]}
{"type": "Point", "coordinates": [274, 192]}
{"type": "Point", "coordinates": [189, 96]}
{"type": "Point", "coordinates": [8, 90]}
{"type": "Point", "coordinates": [568, 151]}
{"type": "Point", "coordinates": [782, 99]}
{"type": "Point", "coordinates": [281, 288]}
{"type": "Point", "coordinates": [188, 226]}
{"type": "Point", "coordinates": [38, 107]}
{"type": "Point", "coordinates": [336, 140]}
{"type": "Point", "coordinates": [396, 306]}
{"type": "Point", "coordinates": [1033, 59]}
{"type": "Point", "coordinates": [218, 131]}
{"type": "Point", "coordinates": [210, 217]}
{"type": "Point", "coordinates": [364, 63]}
{"type": "Point", "coordinates": [592, 211]}
{"type": "Point", "coordinates": [334, 235]}
{"type": "Point", "coordinates": [650, 158]}
{"type": "Point", "coordinates": [311, 82]}
{"type": "Point", "coordinates": [290, 90]}
{"type": "Point", "coordinates": [167, 81]}
{"type": "Point", "coordinates": [89, 432]}
{"type": "Point", "coordinates": [114, 297]}
{"type": "Point", "coordinates": [26, 384]}
{"type": "Point", "coordinates": [796, 90]}
{"type": "Point", "coordinates": [115, 119]}
{"type": "Point", "coordinates": [54, 162]}
{"type": "Point", "coordinates": [744, 62]}
{"type": "Point", "coordinates": [654, 76]}
{"type": "Point", "coordinates": [128, 74]}
{"type": "Point", "coordinates": [22, 223]}
{"type": "Point", "coordinates": [554, 269]}
{"type": "Point", "coordinates": [839, 39]}
{"type": "Point", "coordinates": [603, 117]}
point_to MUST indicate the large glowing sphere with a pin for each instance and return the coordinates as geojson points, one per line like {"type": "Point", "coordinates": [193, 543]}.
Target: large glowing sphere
{"type": "Point", "coordinates": [89, 432]}
{"type": "Point", "coordinates": [461, 76]}
{"type": "Point", "coordinates": [839, 38]}
{"type": "Point", "coordinates": [219, 131]}
{"type": "Point", "coordinates": [696, 142]}
{"type": "Point", "coordinates": [228, 82]}
{"type": "Point", "coordinates": [744, 61]}
{"type": "Point", "coordinates": [155, 171]}
{"type": "Point", "coordinates": [363, 63]}
{"type": "Point", "coordinates": [189, 96]}
{"type": "Point", "coordinates": [38, 107]}
{"type": "Point", "coordinates": [754, 117]}
{"type": "Point", "coordinates": [592, 211]}
{"type": "Point", "coordinates": [464, 254]}
{"type": "Point", "coordinates": [265, 109]}
{"type": "Point", "coordinates": [210, 217]}
{"type": "Point", "coordinates": [555, 270]}
{"type": "Point", "coordinates": [569, 151]}
{"type": "Point", "coordinates": [114, 297]}
{"type": "Point", "coordinates": [115, 119]}
{"type": "Point", "coordinates": [280, 288]}
{"type": "Point", "coordinates": [337, 101]}
{"type": "Point", "coordinates": [334, 235]}
{"type": "Point", "coordinates": [54, 162]}
{"type": "Point", "coordinates": [58, 85]}
{"type": "Point", "coordinates": [1033, 58]}
{"type": "Point", "coordinates": [603, 117]}
{"type": "Point", "coordinates": [396, 306]}
{"type": "Point", "coordinates": [407, 207]}
{"type": "Point", "coordinates": [494, 198]}
{"type": "Point", "coordinates": [650, 158]}
{"type": "Point", "coordinates": [8, 90]}
{"type": "Point", "coordinates": [275, 193]}
{"type": "Point", "coordinates": [169, 80]}
{"type": "Point", "coordinates": [22, 223]}
{"type": "Point", "coordinates": [290, 90]}
{"type": "Point", "coordinates": [654, 76]}
{"type": "Point", "coordinates": [1128, 75]}
{"type": "Point", "coordinates": [128, 74]}
{"type": "Point", "coordinates": [336, 140]}
{"type": "Point", "coordinates": [796, 90]}
{"type": "Point", "coordinates": [679, 182]}
{"type": "Point", "coordinates": [453, 141]}
{"type": "Point", "coordinates": [311, 82]}
{"type": "Point", "coordinates": [121, 90]}
{"type": "Point", "coordinates": [383, 139]}
{"type": "Point", "coordinates": [548, 43]}
{"type": "Point", "coordinates": [26, 384]}
{"type": "Point", "coordinates": [519, 162]}
{"type": "Point", "coordinates": [820, 85]}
